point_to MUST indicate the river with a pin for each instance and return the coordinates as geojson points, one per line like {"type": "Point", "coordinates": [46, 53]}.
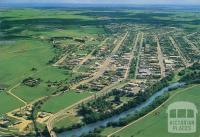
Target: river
{"type": "Point", "coordinates": [90, 127]}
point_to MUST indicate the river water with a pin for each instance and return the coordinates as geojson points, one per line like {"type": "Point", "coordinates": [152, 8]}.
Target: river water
{"type": "Point", "coordinates": [132, 111]}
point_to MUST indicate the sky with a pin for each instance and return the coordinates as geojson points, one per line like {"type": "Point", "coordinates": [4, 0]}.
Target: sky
{"type": "Point", "coordinates": [173, 2]}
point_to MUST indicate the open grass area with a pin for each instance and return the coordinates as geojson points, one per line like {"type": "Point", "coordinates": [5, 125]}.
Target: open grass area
{"type": "Point", "coordinates": [155, 124]}
{"type": "Point", "coordinates": [8, 103]}
{"type": "Point", "coordinates": [17, 60]}
{"type": "Point", "coordinates": [32, 93]}
{"type": "Point", "coordinates": [54, 74]}
{"type": "Point", "coordinates": [57, 103]}
{"type": "Point", "coordinates": [25, 45]}
{"type": "Point", "coordinates": [67, 122]}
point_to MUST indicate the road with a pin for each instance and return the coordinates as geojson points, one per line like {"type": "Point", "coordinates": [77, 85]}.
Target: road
{"type": "Point", "coordinates": [60, 60]}
{"type": "Point", "coordinates": [132, 55]}
{"type": "Point", "coordinates": [138, 56]}
{"type": "Point", "coordinates": [18, 84]}
{"type": "Point", "coordinates": [101, 71]}
{"type": "Point", "coordinates": [64, 111]}
{"type": "Point", "coordinates": [102, 92]}
{"type": "Point", "coordinates": [24, 121]}
{"type": "Point", "coordinates": [88, 57]}
{"type": "Point", "coordinates": [76, 68]}
{"type": "Point", "coordinates": [104, 66]}
{"type": "Point", "coordinates": [160, 58]}
{"type": "Point", "coordinates": [194, 48]}
{"type": "Point", "coordinates": [184, 60]}
{"type": "Point", "coordinates": [10, 92]}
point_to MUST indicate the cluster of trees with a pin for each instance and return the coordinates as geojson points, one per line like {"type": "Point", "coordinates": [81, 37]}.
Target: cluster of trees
{"type": "Point", "coordinates": [195, 66]}
{"type": "Point", "coordinates": [116, 92]}
{"type": "Point", "coordinates": [133, 68]}
{"type": "Point", "coordinates": [92, 113]}
{"type": "Point", "coordinates": [31, 82]}
{"type": "Point", "coordinates": [124, 121]}
{"type": "Point", "coordinates": [95, 133]}
{"type": "Point", "coordinates": [63, 129]}
{"type": "Point", "coordinates": [191, 74]}
{"type": "Point", "coordinates": [36, 126]}
{"type": "Point", "coordinates": [191, 77]}
{"type": "Point", "coordinates": [92, 135]}
{"type": "Point", "coordinates": [128, 43]}
{"type": "Point", "coordinates": [58, 51]}
{"type": "Point", "coordinates": [101, 109]}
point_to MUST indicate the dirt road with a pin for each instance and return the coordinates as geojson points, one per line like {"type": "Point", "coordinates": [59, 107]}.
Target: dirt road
{"type": "Point", "coordinates": [194, 48]}
{"type": "Point", "coordinates": [104, 66]}
{"type": "Point", "coordinates": [132, 55]}
{"type": "Point", "coordinates": [138, 56]}
{"type": "Point", "coordinates": [103, 91]}
{"type": "Point", "coordinates": [184, 60]}
{"type": "Point", "coordinates": [160, 58]}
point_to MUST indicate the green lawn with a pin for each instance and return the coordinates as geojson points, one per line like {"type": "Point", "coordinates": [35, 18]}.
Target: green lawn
{"type": "Point", "coordinates": [57, 103]}
{"type": "Point", "coordinates": [155, 125]}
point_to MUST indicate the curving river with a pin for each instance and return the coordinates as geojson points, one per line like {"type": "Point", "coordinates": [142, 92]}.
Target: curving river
{"type": "Point", "coordinates": [90, 127]}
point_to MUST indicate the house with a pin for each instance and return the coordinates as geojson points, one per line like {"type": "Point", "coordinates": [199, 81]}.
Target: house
{"type": "Point", "coordinates": [4, 123]}
{"type": "Point", "coordinates": [145, 71]}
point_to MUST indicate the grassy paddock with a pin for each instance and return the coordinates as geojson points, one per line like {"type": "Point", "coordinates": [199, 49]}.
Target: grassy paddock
{"type": "Point", "coordinates": [8, 103]}
{"type": "Point", "coordinates": [17, 60]}
{"type": "Point", "coordinates": [57, 103]}
{"type": "Point", "coordinates": [66, 122]}
{"type": "Point", "coordinates": [155, 124]}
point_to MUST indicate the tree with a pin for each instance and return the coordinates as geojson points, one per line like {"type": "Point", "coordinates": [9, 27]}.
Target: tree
{"type": "Point", "coordinates": [117, 99]}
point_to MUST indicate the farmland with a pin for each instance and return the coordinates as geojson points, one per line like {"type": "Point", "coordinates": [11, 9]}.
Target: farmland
{"type": "Point", "coordinates": [58, 64]}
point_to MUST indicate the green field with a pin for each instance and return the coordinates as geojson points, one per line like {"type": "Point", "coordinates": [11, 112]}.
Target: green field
{"type": "Point", "coordinates": [17, 60]}
{"type": "Point", "coordinates": [8, 103]}
{"type": "Point", "coordinates": [66, 122]}
{"type": "Point", "coordinates": [25, 45]}
{"type": "Point", "coordinates": [57, 103]}
{"type": "Point", "coordinates": [155, 125]}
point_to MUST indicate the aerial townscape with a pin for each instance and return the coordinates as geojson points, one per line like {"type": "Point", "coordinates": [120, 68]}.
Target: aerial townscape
{"type": "Point", "coordinates": [96, 71]}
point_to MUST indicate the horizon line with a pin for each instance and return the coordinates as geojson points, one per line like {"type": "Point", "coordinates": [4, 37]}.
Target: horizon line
{"type": "Point", "coordinates": [96, 3]}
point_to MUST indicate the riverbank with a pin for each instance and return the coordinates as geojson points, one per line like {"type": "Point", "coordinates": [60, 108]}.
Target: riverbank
{"type": "Point", "coordinates": [143, 127]}
{"type": "Point", "coordinates": [132, 111]}
{"type": "Point", "coordinates": [153, 90]}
